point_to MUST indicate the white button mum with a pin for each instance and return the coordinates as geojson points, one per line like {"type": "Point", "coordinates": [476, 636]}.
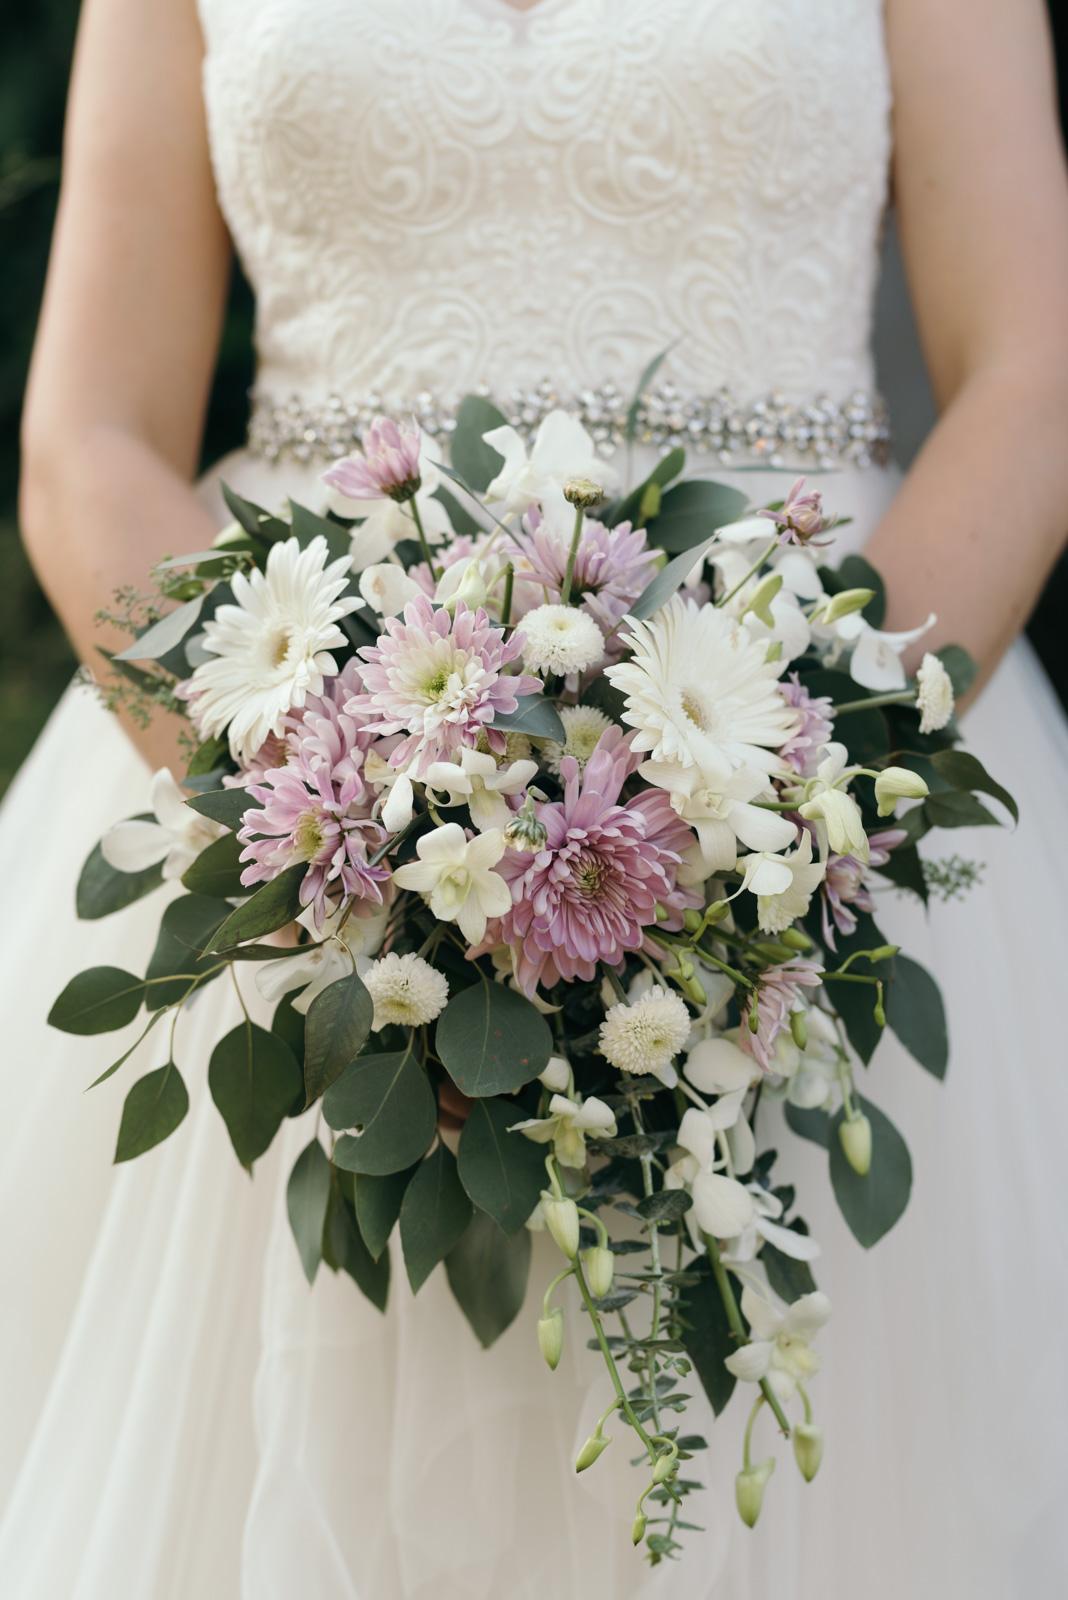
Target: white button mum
{"type": "Point", "coordinates": [561, 640]}
{"type": "Point", "coordinates": [271, 646]}
{"type": "Point", "coordinates": [583, 726]}
{"type": "Point", "coordinates": [934, 694]}
{"type": "Point", "coordinates": [406, 991]}
{"type": "Point", "coordinates": [644, 1038]}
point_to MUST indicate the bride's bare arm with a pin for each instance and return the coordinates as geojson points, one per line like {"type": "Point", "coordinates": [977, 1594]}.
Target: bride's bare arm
{"type": "Point", "coordinates": [127, 341]}
{"type": "Point", "coordinates": [982, 201]}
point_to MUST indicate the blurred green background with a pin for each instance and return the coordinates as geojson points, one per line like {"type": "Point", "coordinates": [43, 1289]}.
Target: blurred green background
{"type": "Point", "coordinates": [36, 41]}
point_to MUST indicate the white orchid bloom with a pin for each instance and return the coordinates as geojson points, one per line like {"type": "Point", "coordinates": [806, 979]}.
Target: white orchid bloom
{"type": "Point", "coordinates": [808, 1078]}
{"type": "Point", "coordinates": [477, 781]}
{"type": "Point", "coordinates": [388, 588]}
{"type": "Point", "coordinates": [716, 1066]}
{"type": "Point", "coordinates": [717, 805]}
{"type": "Point", "coordinates": [385, 522]}
{"type": "Point", "coordinates": [176, 838]}
{"type": "Point", "coordinates": [722, 1206]}
{"type": "Point", "coordinates": [469, 581]}
{"type": "Point", "coordinates": [829, 804]}
{"type": "Point", "coordinates": [789, 626]}
{"type": "Point", "coordinates": [765, 1226]}
{"type": "Point", "coordinates": [779, 1350]}
{"type": "Point", "coordinates": [783, 884]}
{"type": "Point", "coordinates": [455, 874]}
{"type": "Point", "coordinates": [316, 968]}
{"type": "Point", "coordinates": [876, 660]}
{"type": "Point", "coordinates": [568, 1125]}
{"type": "Point", "coordinates": [398, 802]}
{"type": "Point", "coordinates": [562, 450]}
{"type": "Point", "coordinates": [557, 1075]}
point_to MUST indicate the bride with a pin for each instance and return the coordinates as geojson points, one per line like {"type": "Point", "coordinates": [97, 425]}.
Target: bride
{"type": "Point", "coordinates": [430, 196]}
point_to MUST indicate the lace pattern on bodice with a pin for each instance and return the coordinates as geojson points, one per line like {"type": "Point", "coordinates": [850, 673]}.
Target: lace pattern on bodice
{"type": "Point", "coordinates": [429, 195]}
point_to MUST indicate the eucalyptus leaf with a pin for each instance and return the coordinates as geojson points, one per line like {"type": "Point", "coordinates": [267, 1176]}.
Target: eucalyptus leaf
{"type": "Point", "coordinates": [492, 1040]}
{"type": "Point", "coordinates": [274, 906]}
{"type": "Point", "coordinates": [644, 381]}
{"type": "Point", "coordinates": [307, 1197]}
{"type": "Point", "coordinates": [963, 771]}
{"type": "Point", "coordinates": [434, 1215]}
{"type": "Point", "coordinates": [188, 926]}
{"type": "Point", "coordinates": [370, 1276]}
{"type": "Point", "coordinates": [504, 1173]}
{"type": "Point", "coordinates": [692, 510]}
{"type": "Point", "coordinates": [217, 870]}
{"type": "Point", "coordinates": [487, 1274]}
{"type": "Point", "coordinates": [963, 669]}
{"type": "Point", "coordinates": [872, 1204]}
{"type": "Point", "coordinates": [165, 635]}
{"type": "Point", "coordinates": [914, 1010]}
{"type": "Point", "coordinates": [667, 467]}
{"type": "Point", "coordinates": [809, 1123]}
{"type": "Point", "coordinates": [378, 1205]}
{"type": "Point", "coordinates": [99, 1000]}
{"type": "Point", "coordinates": [154, 1107]}
{"type": "Point", "coordinates": [708, 1339]}
{"type": "Point", "coordinates": [308, 525]}
{"type": "Point", "coordinates": [905, 869]}
{"type": "Point", "coordinates": [855, 572]}
{"type": "Point", "coordinates": [338, 1023]}
{"type": "Point", "coordinates": [211, 756]}
{"type": "Point", "coordinates": [953, 808]}
{"type": "Point", "coordinates": [389, 1097]}
{"type": "Point", "coordinates": [103, 889]}
{"type": "Point", "coordinates": [788, 1277]}
{"type": "Point", "coordinates": [672, 577]}
{"type": "Point", "coordinates": [227, 806]}
{"type": "Point", "coordinates": [253, 518]}
{"type": "Point", "coordinates": [664, 1205]}
{"type": "Point", "coordinates": [535, 716]}
{"type": "Point", "coordinates": [253, 1080]}
{"type": "Point", "coordinates": [476, 462]}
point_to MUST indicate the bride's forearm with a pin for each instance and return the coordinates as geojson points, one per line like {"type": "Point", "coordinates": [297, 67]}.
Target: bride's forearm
{"type": "Point", "coordinates": [982, 515]}
{"type": "Point", "coordinates": [99, 509]}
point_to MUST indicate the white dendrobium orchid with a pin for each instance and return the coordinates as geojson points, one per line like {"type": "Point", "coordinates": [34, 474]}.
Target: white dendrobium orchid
{"type": "Point", "coordinates": [784, 885]}
{"type": "Point", "coordinates": [808, 1078]}
{"type": "Point", "coordinates": [176, 838]}
{"type": "Point", "coordinates": [568, 1125]}
{"type": "Point", "coordinates": [765, 1226]}
{"type": "Point", "coordinates": [562, 450]}
{"type": "Point", "coordinates": [269, 650]}
{"type": "Point", "coordinates": [316, 968]}
{"type": "Point", "coordinates": [478, 781]}
{"type": "Point", "coordinates": [455, 874]}
{"type": "Point", "coordinates": [386, 522]}
{"type": "Point", "coordinates": [788, 625]}
{"type": "Point", "coordinates": [719, 810]}
{"type": "Point", "coordinates": [388, 587]}
{"type": "Point", "coordinates": [829, 804]}
{"type": "Point", "coordinates": [876, 660]}
{"type": "Point", "coordinates": [722, 1206]}
{"type": "Point", "coordinates": [779, 1350]}
{"type": "Point", "coordinates": [398, 804]}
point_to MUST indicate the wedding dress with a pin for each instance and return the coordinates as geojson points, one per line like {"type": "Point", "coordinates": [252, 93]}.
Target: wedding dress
{"type": "Point", "coordinates": [429, 197]}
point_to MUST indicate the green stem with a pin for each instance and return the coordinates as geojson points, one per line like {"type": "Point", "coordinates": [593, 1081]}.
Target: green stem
{"type": "Point", "coordinates": [613, 1371]}
{"type": "Point", "coordinates": [900, 697]}
{"type": "Point", "coordinates": [435, 572]}
{"type": "Point", "coordinates": [598, 1224]}
{"type": "Point", "coordinates": [734, 1317]}
{"type": "Point", "coordinates": [749, 1431]}
{"type": "Point", "coordinates": [391, 844]}
{"type": "Point", "coordinates": [621, 993]}
{"type": "Point", "coordinates": [808, 1408]}
{"type": "Point", "coordinates": [753, 570]}
{"type": "Point", "coordinates": [506, 603]}
{"type": "Point", "coordinates": [569, 571]}
{"type": "Point", "coordinates": [557, 1281]}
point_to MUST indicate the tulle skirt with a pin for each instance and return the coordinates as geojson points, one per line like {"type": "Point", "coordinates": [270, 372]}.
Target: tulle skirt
{"type": "Point", "coordinates": [182, 1417]}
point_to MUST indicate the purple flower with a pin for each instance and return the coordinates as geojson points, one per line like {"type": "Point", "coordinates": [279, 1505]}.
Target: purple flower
{"type": "Point", "coordinates": [801, 750]}
{"type": "Point", "coordinates": [389, 465]}
{"type": "Point", "coordinates": [801, 517]}
{"type": "Point", "coordinates": [305, 819]}
{"type": "Point", "coordinates": [778, 994]}
{"type": "Point", "coordinates": [440, 680]}
{"type": "Point", "coordinates": [612, 567]}
{"type": "Point", "coordinates": [845, 884]}
{"type": "Point", "coordinates": [586, 894]}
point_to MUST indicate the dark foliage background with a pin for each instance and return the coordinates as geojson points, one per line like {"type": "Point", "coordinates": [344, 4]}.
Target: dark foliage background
{"type": "Point", "coordinates": [36, 41]}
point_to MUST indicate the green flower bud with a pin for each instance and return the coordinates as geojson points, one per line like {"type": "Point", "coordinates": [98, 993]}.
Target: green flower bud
{"type": "Point", "coordinates": [691, 920]}
{"type": "Point", "coordinates": [600, 1267]}
{"type": "Point", "coordinates": [845, 603]}
{"type": "Point", "coordinates": [716, 912]}
{"type": "Point", "coordinates": [551, 1337]}
{"type": "Point", "coordinates": [799, 1029]}
{"type": "Point", "coordinates": [660, 912]}
{"type": "Point", "coordinates": [795, 939]}
{"type": "Point", "coordinates": [583, 492]}
{"type": "Point", "coordinates": [808, 1449]}
{"type": "Point", "coordinates": [562, 1221]}
{"type": "Point", "coordinates": [883, 952]}
{"type": "Point", "coordinates": [650, 505]}
{"type": "Point", "coordinates": [637, 1532]}
{"type": "Point", "coordinates": [897, 783]}
{"type": "Point", "coordinates": [763, 595]}
{"type": "Point", "coordinates": [749, 1490]}
{"type": "Point", "coordinates": [664, 1468]}
{"type": "Point", "coordinates": [754, 1019]}
{"type": "Point", "coordinates": [855, 1137]}
{"type": "Point", "coordinates": [593, 1447]}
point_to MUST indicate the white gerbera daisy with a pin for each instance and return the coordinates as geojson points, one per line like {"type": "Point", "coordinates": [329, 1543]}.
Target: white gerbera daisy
{"type": "Point", "coordinates": [271, 646]}
{"type": "Point", "coordinates": [583, 726]}
{"type": "Point", "coordinates": [406, 990]}
{"type": "Point", "coordinates": [701, 691]}
{"type": "Point", "coordinates": [561, 640]}
{"type": "Point", "coordinates": [644, 1037]}
{"type": "Point", "coordinates": [934, 694]}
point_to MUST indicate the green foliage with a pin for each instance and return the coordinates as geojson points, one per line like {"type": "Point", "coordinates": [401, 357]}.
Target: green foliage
{"type": "Point", "coordinates": [308, 525]}
{"type": "Point", "coordinates": [915, 1012]}
{"type": "Point", "coordinates": [809, 1124]}
{"type": "Point", "coordinates": [872, 1204]}
{"type": "Point", "coordinates": [217, 870]}
{"type": "Point", "coordinates": [253, 1080]}
{"type": "Point", "coordinates": [378, 1205]}
{"type": "Point", "coordinates": [307, 1197]}
{"type": "Point", "coordinates": [503, 1172]}
{"type": "Point", "coordinates": [535, 716]}
{"type": "Point", "coordinates": [389, 1098]}
{"type": "Point", "coordinates": [488, 1273]}
{"type": "Point", "coordinates": [691, 511]}
{"type": "Point", "coordinates": [227, 806]}
{"type": "Point", "coordinates": [491, 1040]}
{"type": "Point", "coordinates": [664, 1205]}
{"type": "Point", "coordinates": [274, 906]}
{"type": "Point", "coordinates": [963, 771]}
{"type": "Point", "coordinates": [474, 461]}
{"type": "Point", "coordinates": [338, 1023]}
{"type": "Point", "coordinates": [102, 889]}
{"type": "Point", "coordinates": [708, 1338]}
{"type": "Point", "coordinates": [344, 1249]}
{"type": "Point", "coordinates": [433, 1216]}
{"type": "Point", "coordinates": [186, 930]}
{"type": "Point", "coordinates": [154, 1107]}
{"type": "Point", "coordinates": [98, 1000]}
{"type": "Point", "coordinates": [668, 467]}
{"type": "Point", "coordinates": [663, 586]}
{"type": "Point", "coordinates": [788, 1277]}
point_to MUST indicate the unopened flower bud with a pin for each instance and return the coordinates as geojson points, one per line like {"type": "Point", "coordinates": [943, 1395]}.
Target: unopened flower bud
{"type": "Point", "coordinates": [799, 1029]}
{"type": "Point", "coordinates": [471, 589]}
{"type": "Point", "coordinates": [664, 1467]}
{"type": "Point", "coordinates": [650, 504]}
{"type": "Point", "coordinates": [897, 783]}
{"type": "Point", "coordinates": [879, 1010]}
{"type": "Point", "coordinates": [716, 912]}
{"type": "Point", "coordinates": [691, 920]}
{"type": "Point", "coordinates": [525, 832]}
{"type": "Point", "coordinates": [661, 913]}
{"type": "Point", "coordinates": [557, 1075]}
{"type": "Point", "coordinates": [583, 492]}
{"type": "Point", "coordinates": [562, 1221]}
{"type": "Point", "coordinates": [637, 1532]}
{"type": "Point", "coordinates": [844, 604]}
{"type": "Point", "coordinates": [754, 1019]}
{"type": "Point", "coordinates": [749, 1488]}
{"type": "Point", "coordinates": [600, 1267]}
{"type": "Point", "coordinates": [595, 1445]}
{"type": "Point", "coordinates": [761, 598]}
{"type": "Point", "coordinates": [551, 1337]}
{"type": "Point", "coordinates": [795, 939]}
{"type": "Point", "coordinates": [808, 1449]}
{"type": "Point", "coordinates": [855, 1137]}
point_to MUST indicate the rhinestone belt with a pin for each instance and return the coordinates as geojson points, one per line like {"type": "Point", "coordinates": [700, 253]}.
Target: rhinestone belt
{"type": "Point", "coordinates": [772, 431]}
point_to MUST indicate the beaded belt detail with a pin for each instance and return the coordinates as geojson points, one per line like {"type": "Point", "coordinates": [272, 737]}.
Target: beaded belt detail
{"type": "Point", "coordinates": [773, 431]}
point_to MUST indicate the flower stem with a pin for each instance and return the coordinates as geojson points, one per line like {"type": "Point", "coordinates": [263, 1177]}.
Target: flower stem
{"type": "Point", "coordinates": [569, 572]}
{"type": "Point", "coordinates": [755, 568]}
{"type": "Point", "coordinates": [506, 603]}
{"type": "Point", "coordinates": [899, 697]}
{"type": "Point", "coordinates": [613, 1371]}
{"type": "Point", "coordinates": [749, 1430]}
{"type": "Point", "coordinates": [734, 1317]}
{"type": "Point", "coordinates": [435, 572]}
{"type": "Point", "coordinates": [557, 1281]}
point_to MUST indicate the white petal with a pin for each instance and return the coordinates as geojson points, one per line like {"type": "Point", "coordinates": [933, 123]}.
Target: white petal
{"type": "Point", "coordinates": [767, 875]}
{"type": "Point", "coordinates": [798, 1245]}
{"type": "Point", "coordinates": [761, 1315]}
{"type": "Point", "coordinates": [715, 1066]}
{"type": "Point", "coordinates": [808, 1315]}
{"type": "Point", "coordinates": [697, 1134]}
{"type": "Point", "coordinates": [388, 588]}
{"type": "Point", "coordinates": [488, 810]}
{"type": "Point", "coordinates": [557, 1074]}
{"type": "Point", "coordinates": [727, 1109]}
{"type": "Point", "coordinates": [277, 978]}
{"type": "Point", "coordinates": [723, 1206]}
{"type": "Point", "coordinates": [134, 846]}
{"type": "Point", "coordinates": [762, 830]}
{"type": "Point", "coordinates": [742, 1146]}
{"type": "Point", "coordinates": [875, 664]}
{"type": "Point", "coordinates": [751, 1362]}
{"type": "Point", "coordinates": [400, 802]}
{"type": "Point", "coordinates": [168, 802]}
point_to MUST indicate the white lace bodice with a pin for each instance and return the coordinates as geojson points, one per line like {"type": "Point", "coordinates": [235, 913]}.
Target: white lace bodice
{"type": "Point", "coordinates": [433, 194]}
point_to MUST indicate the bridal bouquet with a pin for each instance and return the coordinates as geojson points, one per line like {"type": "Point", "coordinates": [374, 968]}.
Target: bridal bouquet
{"type": "Point", "coordinates": [551, 824]}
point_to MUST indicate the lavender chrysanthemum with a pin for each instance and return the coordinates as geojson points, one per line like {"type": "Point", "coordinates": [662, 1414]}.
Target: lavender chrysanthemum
{"type": "Point", "coordinates": [389, 465]}
{"type": "Point", "coordinates": [778, 993]}
{"type": "Point", "coordinates": [612, 567]}
{"type": "Point", "coordinates": [816, 726]}
{"type": "Point", "coordinates": [441, 681]}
